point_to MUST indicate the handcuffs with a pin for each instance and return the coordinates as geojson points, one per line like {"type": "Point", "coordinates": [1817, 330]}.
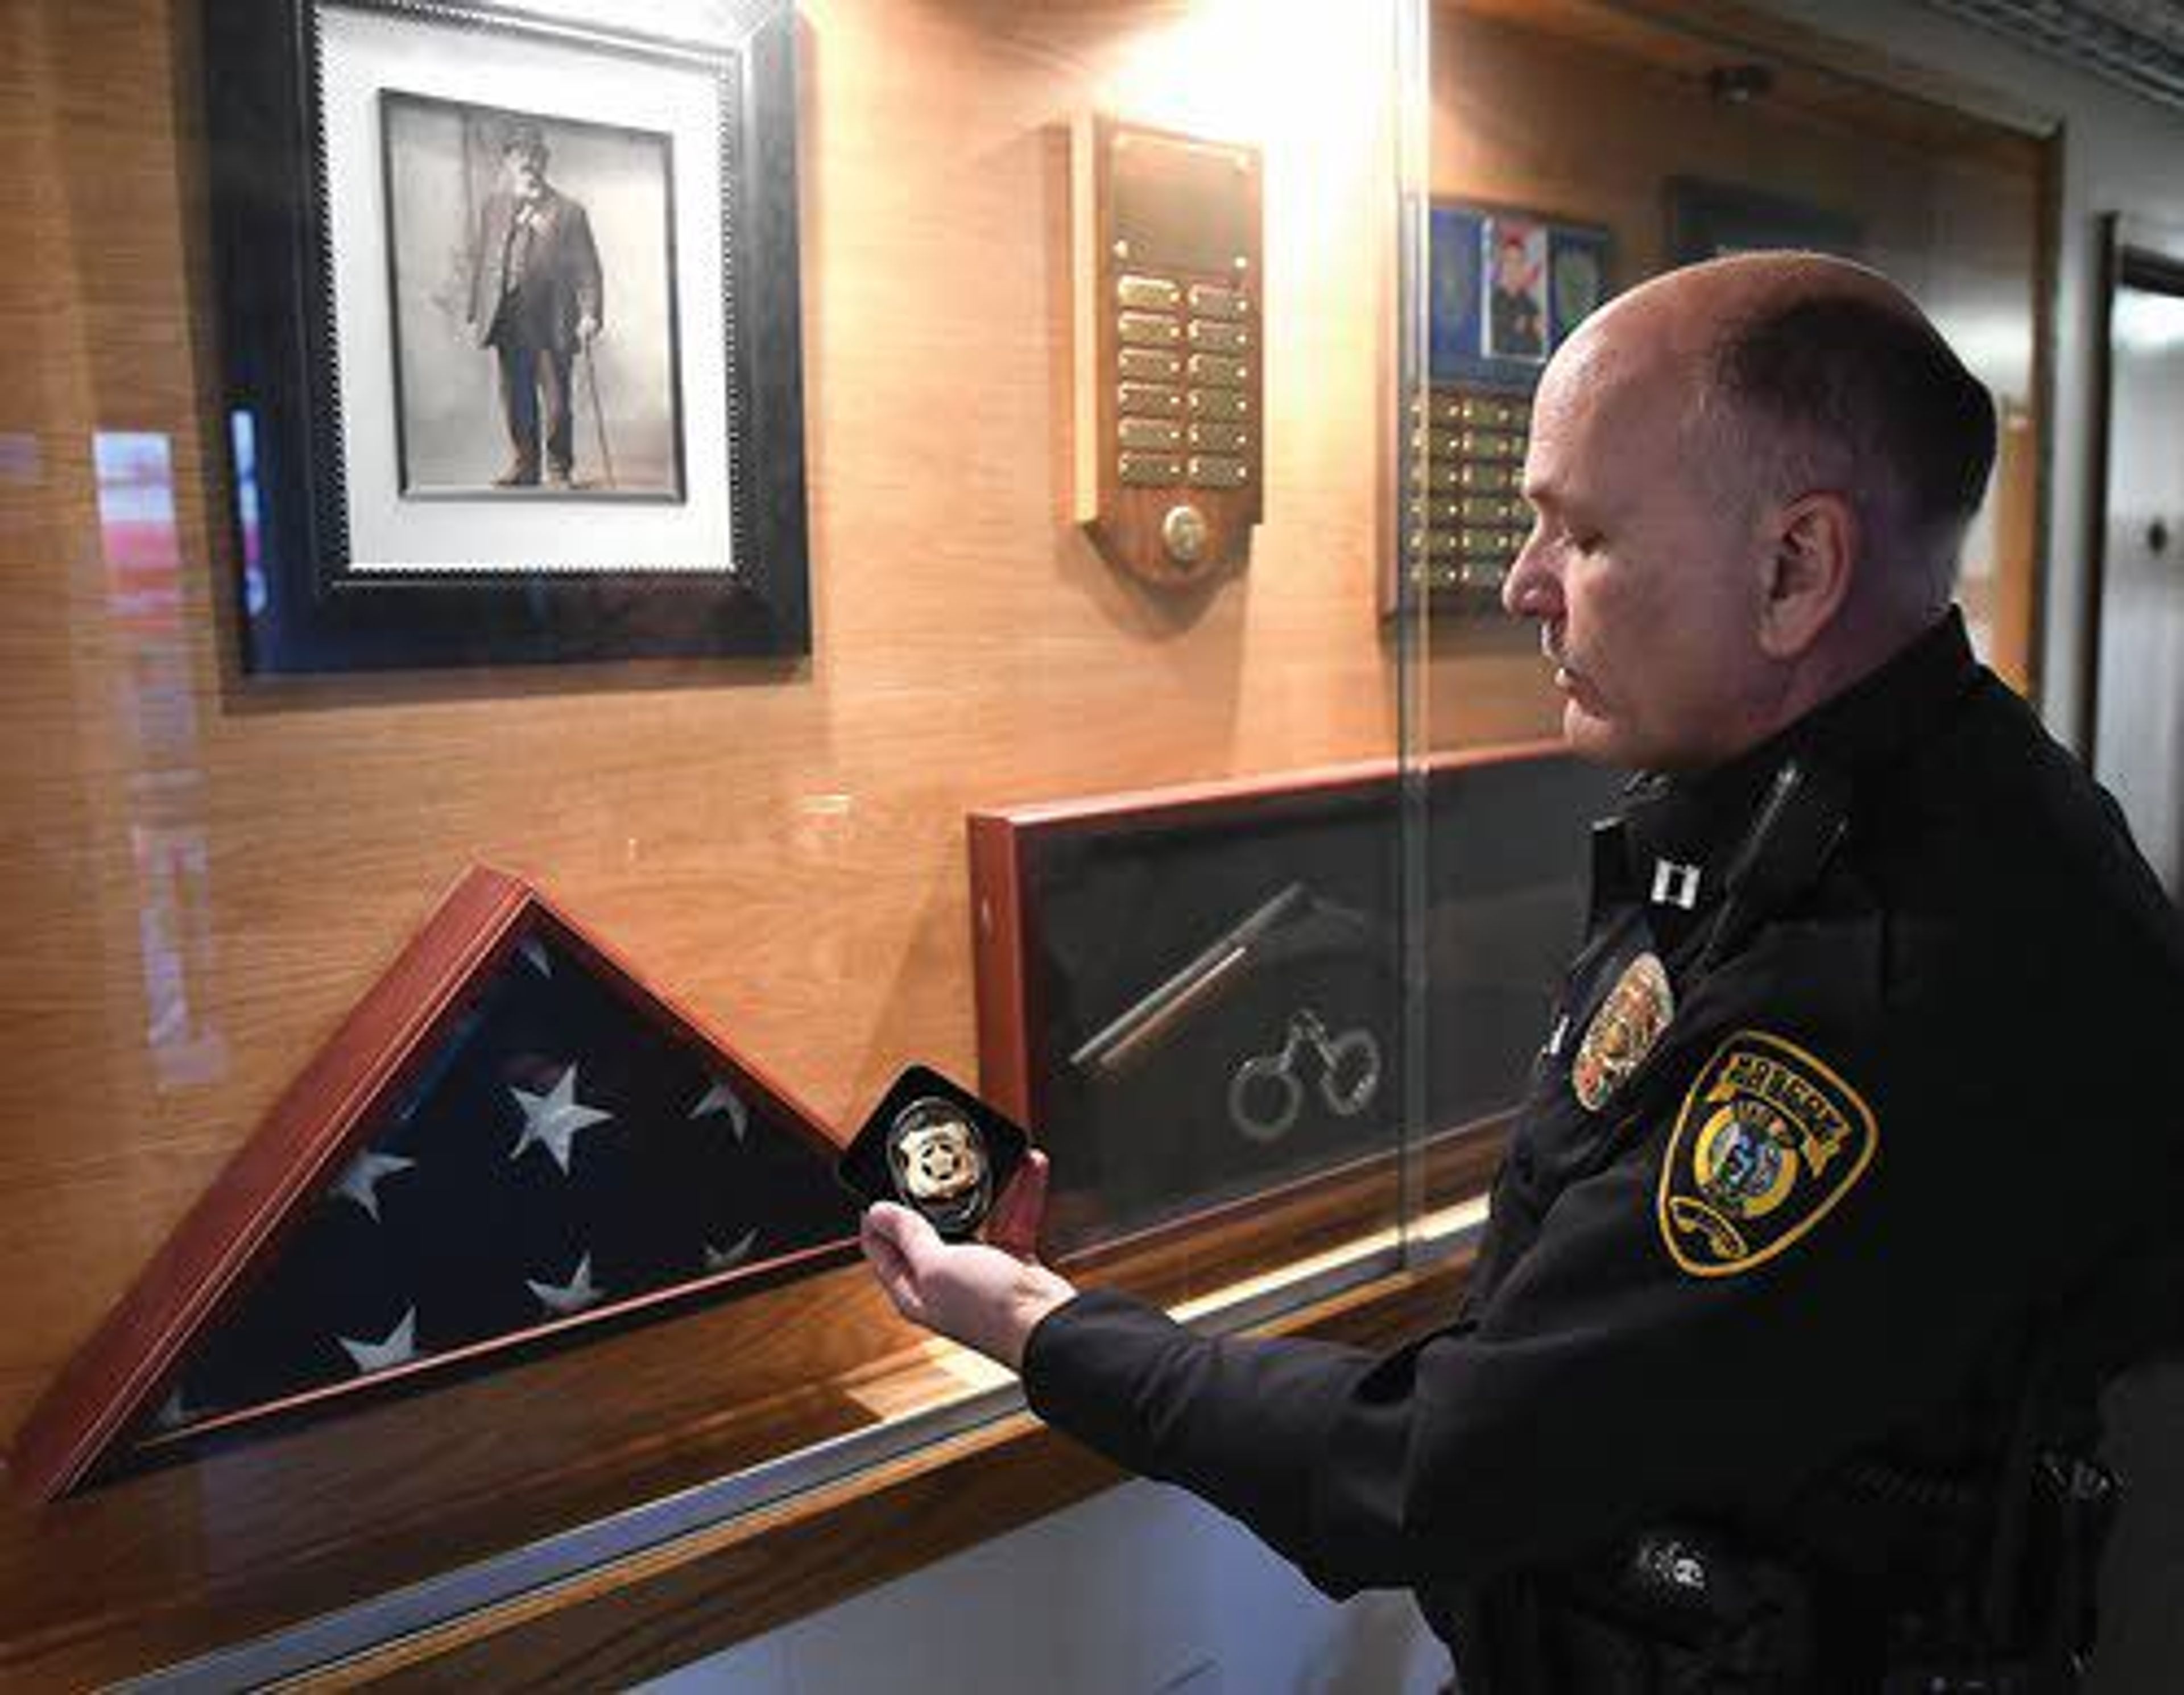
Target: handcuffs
{"type": "Point", "coordinates": [1269, 1080]}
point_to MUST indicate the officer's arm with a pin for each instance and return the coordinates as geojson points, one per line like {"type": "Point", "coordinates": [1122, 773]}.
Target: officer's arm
{"type": "Point", "coordinates": [1609, 1383]}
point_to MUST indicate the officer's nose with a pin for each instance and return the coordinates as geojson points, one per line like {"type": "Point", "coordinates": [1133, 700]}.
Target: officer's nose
{"type": "Point", "coordinates": [1532, 589]}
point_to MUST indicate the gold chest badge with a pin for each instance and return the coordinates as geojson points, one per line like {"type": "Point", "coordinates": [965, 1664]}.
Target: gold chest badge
{"type": "Point", "coordinates": [1768, 1142]}
{"type": "Point", "coordinates": [1622, 1032]}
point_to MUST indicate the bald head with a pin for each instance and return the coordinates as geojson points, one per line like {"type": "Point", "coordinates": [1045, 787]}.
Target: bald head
{"type": "Point", "coordinates": [1800, 371]}
{"type": "Point", "coordinates": [1749, 481]}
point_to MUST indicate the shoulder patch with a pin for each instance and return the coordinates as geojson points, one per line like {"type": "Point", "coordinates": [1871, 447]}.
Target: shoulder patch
{"type": "Point", "coordinates": [1766, 1142]}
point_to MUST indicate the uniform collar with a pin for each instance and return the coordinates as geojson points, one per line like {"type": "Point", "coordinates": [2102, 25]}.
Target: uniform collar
{"type": "Point", "coordinates": [1678, 835]}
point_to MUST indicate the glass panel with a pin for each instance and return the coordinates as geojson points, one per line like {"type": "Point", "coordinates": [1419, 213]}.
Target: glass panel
{"type": "Point", "coordinates": [712, 463]}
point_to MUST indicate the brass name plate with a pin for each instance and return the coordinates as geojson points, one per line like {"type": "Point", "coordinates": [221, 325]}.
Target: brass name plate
{"type": "Point", "coordinates": [1148, 329]}
{"type": "Point", "coordinates": [1478, 573]}
{"type": "Point", "coordinates": [1210, 302]}
{"type": "Point", "coordinates": [1154, 294]}
{"type": "Point", "coordinates": [1485, 411]}
{"type": "Point", "coordinates": [1219, 338]}
{"type": "Point", "coordinates": [1226, 404]}
{"type": "Point", "coordinates": [1475, 444]}
{"type": "Point", "coordinates": [1219, 368]}
{"type": "Point", "coordinates": [1149, 365]}
{"type": "Point", "coordinates": [1155, 469]}
{"type": "Point", "coordinates": [1218, 471]}
{"type": "Point", "coordinates": [1221, 437]}
{"type": "Point", "coordinates": [1153, 433]}
{"type": "Point", "coordinates": [1483, 509]}
{"type": "Point", "coordinates": [1151, 400]}
{"type": "Point", "coordinates": [1476, 475]}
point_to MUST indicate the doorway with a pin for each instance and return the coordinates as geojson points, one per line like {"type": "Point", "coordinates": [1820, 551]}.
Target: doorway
{"type": "Point", "coordinates": [2137, 720]}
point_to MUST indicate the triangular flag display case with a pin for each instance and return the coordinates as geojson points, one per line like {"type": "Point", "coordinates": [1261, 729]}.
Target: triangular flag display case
{"type": "Point", "coordinates": [511, 1137]}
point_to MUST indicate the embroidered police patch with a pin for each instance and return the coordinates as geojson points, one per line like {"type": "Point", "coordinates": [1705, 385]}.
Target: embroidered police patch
{"type": "Point", "coordinates": [1623, 1031]}
{"type": "Point", "coordinates": [1768, 1142]}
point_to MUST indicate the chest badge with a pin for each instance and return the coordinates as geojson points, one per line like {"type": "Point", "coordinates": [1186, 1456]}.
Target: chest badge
{"type": "Point", "coordinates": [1622, 1032]}
{"type": "Point", "coordinates": [1768, 1142]}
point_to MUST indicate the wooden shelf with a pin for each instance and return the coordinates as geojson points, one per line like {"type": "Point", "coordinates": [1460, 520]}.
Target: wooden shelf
{"type": "Point", "coordinates": [648, 1615]}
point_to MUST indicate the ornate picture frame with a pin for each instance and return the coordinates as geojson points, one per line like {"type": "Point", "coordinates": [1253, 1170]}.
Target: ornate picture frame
{"type": "Point", "coordinates": [510, 334]}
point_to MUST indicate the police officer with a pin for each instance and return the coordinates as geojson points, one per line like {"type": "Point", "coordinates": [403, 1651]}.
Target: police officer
{"type": "Point", "coordinates": [1857, 1090]}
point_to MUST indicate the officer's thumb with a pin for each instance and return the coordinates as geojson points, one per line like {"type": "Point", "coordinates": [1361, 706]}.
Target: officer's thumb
{"type": "Point", "coordinates": [900, 1244]}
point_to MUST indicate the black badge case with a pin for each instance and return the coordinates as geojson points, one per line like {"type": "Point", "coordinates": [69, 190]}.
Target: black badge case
{"type": "Point", "coordinates": [914, 1126]}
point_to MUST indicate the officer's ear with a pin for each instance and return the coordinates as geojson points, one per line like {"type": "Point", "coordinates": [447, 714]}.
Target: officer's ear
{"type": "Point", "coordinates": [1812, 553]}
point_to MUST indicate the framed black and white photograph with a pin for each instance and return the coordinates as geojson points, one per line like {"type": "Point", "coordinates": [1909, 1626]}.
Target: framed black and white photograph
{"type": "Point", "coordinates": [505, 231]}
{"type": "Point", "coordinates": [509, 306]}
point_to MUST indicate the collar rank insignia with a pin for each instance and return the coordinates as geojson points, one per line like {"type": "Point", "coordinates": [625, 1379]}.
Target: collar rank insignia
{"type": "Point", "coordinates": [1768, 1142]}
{"type": "Point", "coordinates": [1623, 1031]}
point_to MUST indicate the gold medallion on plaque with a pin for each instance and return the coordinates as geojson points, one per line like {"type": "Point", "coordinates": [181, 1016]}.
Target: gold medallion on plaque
{"type": "Point", "coordinates": [1622, 1032]}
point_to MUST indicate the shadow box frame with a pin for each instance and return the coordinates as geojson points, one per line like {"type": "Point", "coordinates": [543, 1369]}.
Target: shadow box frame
{"type": "Point", "coordinates": [336, 568]}
{"type": "Point", "coordinates": [1021, 1055]}
{"type": "Point", "coordinates": [80, 1431]}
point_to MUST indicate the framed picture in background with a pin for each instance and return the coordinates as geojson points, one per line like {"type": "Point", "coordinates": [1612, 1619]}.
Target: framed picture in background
{"type": "Point", "coordinates": [510, 335]}
{"type": "Point", "coordinates": [1505, 287]}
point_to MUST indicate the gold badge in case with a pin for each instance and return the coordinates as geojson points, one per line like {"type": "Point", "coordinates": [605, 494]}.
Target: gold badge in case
{"type": "Point", "coordinates": [1622, 1032]}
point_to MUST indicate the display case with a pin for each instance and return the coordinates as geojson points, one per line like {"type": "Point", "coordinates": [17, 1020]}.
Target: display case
{"type": "Point", "coordinates": [634, 448]}
{"type": "Point", "coordinates": [1194, 996]}
{"type": "Point", "coordinates": [676, 455]}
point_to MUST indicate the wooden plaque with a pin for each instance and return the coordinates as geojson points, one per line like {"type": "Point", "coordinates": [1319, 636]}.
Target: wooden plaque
{"type": "Point", "coordinates": [1170, 327]}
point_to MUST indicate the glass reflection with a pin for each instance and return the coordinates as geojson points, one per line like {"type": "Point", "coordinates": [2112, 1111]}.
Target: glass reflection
{"type": "Point", "coordinates": [141, 550]}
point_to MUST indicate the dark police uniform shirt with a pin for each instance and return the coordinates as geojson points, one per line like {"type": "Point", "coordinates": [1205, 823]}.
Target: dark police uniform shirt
{"type": "Point", "coordinates": [1918, 1085]}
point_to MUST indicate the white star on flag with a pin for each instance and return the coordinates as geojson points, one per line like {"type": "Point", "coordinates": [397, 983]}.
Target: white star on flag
{"type": "Point", "coordinates": [399, 1347]}
{"type": "Point", "coordinates": [720, 1098]}
{"type": "Point", "coordinates": [360, 1182]}
{"type": "Point", "coordinates": [534, 951]}
{"type": "Point", "coordinates": [552, 1119]}
{"type": "Point", "coordinates": [174, 1412]}
{"type": "Point", "coordinates": [572, 1297]}
{"type": "Point", "coordinates": [717, 1260]}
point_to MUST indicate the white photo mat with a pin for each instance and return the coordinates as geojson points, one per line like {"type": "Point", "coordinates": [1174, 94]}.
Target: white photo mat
{"type": "Point", "coordinates": [365, 53]}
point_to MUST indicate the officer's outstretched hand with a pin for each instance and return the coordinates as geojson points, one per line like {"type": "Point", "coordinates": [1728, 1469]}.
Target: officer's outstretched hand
{"type": "Point", "coordinates": [987, 1295]}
